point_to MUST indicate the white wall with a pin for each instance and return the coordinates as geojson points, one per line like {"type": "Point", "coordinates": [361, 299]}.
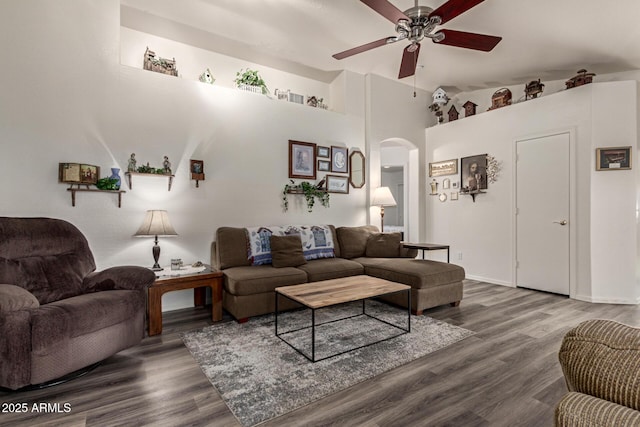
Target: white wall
{"type": "Point", "coordinates": [66, 98]}
{"type": "Point", "coordinates": [598, 115]}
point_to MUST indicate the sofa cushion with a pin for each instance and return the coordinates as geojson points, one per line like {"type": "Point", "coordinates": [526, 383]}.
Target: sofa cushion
{"type": "Point", "coordinates": [383, 245]}
{"type": "Point", "coordinates": [331, 268]}
{"type": "Point", "coordinates": [53, 323]}
{"type": "Point", "coordinates": [260, 278]}
{"type": "Point", "coordinates": [231, 247]}
{"type": "Point", "coordinates": [14, 298]}
{"type": "Point", "coordinates": [353, 240]}
{"type": "Point", "coordinates": [286, 251]}
{"type": "Point", "coordinates": [417, 273]}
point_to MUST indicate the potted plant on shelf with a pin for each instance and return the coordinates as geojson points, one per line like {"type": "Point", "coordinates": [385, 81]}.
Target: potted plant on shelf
{"type": "Point", "coordinates": [310, 192]}
{"type": "Point", "coordinates": [250, 81]}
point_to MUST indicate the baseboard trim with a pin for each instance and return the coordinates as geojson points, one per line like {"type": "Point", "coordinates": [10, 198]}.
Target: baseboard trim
{"type": "Point", "coordinates": [492, 281]}
{"type": "Point", "coordinates": [597, 300]}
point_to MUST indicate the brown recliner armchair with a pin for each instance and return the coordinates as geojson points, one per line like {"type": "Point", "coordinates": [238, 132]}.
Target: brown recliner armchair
{"type": "Point", "coordinates": [57, 315]}
{"type": "Point", "coordinates": [601, 364]}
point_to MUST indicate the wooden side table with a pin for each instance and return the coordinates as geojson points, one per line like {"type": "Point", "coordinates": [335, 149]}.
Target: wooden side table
{"type": "Point", "coordinates": [198, 282]}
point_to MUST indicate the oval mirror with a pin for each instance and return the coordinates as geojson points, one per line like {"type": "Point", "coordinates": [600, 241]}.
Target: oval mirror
{"type": "Point", "coordinates": [356, 169]}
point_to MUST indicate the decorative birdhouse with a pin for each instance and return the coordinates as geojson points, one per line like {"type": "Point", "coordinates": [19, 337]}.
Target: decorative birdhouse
{"type": "Point", "coordinates": [501, 98]}
{"type": "Point", "coordinates": [582, 78]}
{"type": "Point", "coordinates": [469, 109]}
{"type": "Point", "coordinates": [453, 113]}
{"type": "Point", "coordinates": [533, 89]}
{"type": "Point", "coordinates": [440, 97]}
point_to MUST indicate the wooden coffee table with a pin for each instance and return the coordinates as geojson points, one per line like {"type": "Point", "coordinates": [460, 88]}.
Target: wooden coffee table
{"type": "Point", "coordinates": [327, 293]}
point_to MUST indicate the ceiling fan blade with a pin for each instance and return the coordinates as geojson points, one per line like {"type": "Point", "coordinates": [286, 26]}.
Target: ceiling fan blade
{"type": "Point", "coordinates": [469, 40]}
{"type": "Point", "coordinates": [409, 61]}
{"type": "Point", "coordinates": [453, 8]}
{"type": "Point", "coordinates": [363, 48]}
{"type": "Point", "coordinates": [386, 9]}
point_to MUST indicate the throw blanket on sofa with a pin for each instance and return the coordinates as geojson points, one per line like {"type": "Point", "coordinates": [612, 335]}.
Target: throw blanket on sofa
{"type": "Point", "coordinates": [317, 241]}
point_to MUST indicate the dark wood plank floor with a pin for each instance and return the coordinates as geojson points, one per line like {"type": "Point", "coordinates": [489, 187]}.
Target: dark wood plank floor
{"type": "Point", "coordinates": [507, 374]}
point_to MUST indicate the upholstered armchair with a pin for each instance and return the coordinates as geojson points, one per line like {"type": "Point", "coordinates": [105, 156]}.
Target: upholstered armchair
{"type": "Point", "coordinates": [601, 364]}
{"type": "Point", "coordinates": [57, 315]}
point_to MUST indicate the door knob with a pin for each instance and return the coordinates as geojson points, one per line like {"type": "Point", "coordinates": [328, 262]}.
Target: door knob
{"type": "Point", "coordinates": [563, 222]}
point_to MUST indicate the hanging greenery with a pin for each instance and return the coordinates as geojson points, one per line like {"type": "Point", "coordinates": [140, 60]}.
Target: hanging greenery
{"type": "Point", "coordinates": [310, 192]}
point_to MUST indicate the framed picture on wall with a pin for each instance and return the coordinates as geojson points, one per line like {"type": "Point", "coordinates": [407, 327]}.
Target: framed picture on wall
{"type": "Point", "coordinates": [78, 173]}
{"type": "Point", "coordinates": [613, 158]}
{"type": "Point", "coordinates": [302, 159]}
{"type": "Point", "coordinates": [337, 184]}
{"type": "Point", "coordinates": [324, 165]}
{"type": "Point", "coordinates": [339, 159]}
{"type": "Point", "coordinates": [323, 152]}
{"type": "Point", "coordinates": [473, 173]}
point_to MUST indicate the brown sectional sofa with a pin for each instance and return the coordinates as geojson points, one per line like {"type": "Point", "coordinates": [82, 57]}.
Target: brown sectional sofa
{"type": "Point", "coordinates": [249, 290]}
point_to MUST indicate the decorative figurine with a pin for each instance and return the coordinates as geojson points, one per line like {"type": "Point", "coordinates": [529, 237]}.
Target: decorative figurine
{"type": "Point", "coordinates": [312, 101]}
{"type": "Point", "coordinates": [167, 166]}
{"type": "Point", "coordinates": [533, 89]}
{"type": "Point", "coordinates": [501, 98]}
{"type": "Point", "coordinates": [132, 163]}
{"type": "Point", "coordinates": [453, 113]}
{"type": "Point", "coordinates": [159, 65]}
{"type": "Point", "coordinates": [583, 78]}
{"type": "Point", "coordinates": [434, 187]}
{"type": "Point", "coordinates": [469, 109]}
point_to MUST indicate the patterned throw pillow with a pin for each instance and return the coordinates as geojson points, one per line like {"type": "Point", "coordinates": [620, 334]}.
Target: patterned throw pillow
{"type": "Point", "coordinates": [317, 241]}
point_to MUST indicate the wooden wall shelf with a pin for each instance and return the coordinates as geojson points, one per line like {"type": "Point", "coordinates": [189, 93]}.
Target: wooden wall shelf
{"type": "Point", "coordinates": [473, 194]}
{"type": "Point", "coordinates": [91, 190]}
{"type": "Point", "coordinates": [128, 175]}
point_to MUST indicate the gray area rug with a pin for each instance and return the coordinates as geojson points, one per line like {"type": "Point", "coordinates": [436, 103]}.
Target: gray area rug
{"type": "Point", "coordinates": [261, 377]}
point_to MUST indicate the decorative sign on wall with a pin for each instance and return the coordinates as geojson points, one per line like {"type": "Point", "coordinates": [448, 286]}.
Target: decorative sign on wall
{"type": "Point", "coordinates": [447, 167]}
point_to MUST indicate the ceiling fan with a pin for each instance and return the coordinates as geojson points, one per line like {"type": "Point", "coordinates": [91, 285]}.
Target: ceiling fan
{"type": "Point", "coordinates": [420, 22]}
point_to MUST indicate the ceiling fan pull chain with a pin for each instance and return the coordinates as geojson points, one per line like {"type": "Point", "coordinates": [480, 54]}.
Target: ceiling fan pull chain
{"type": "Point", "coordinates": [414, 85]}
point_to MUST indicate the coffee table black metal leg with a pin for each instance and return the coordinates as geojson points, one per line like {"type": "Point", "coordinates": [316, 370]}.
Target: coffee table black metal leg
{"type": "Point", "coordinates": [408, 310]}
{"type": "Point", "coordinates": [313, 335]}
{"type": "Point", "coordinates": [276, 313]}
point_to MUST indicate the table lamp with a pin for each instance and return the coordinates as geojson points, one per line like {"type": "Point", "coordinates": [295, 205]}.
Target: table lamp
{"type": "Point", "coordinates": [382, 197]}
{"type": "Point", "coordinates": [156, 223]}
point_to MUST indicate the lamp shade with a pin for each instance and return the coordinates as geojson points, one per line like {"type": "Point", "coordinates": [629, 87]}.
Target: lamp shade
{"type": "Point", "coordinates": [382, 197]}
{"type": "Point", "coordinates": [156, 223]}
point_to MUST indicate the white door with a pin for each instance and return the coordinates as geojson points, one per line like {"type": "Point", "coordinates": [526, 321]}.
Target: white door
{"type": "Point", "coordinates": [542, 213]}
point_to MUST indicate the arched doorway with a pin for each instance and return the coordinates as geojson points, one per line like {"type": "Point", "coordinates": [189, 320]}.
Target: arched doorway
{"type": "Point", "coordinates": [397, 165]}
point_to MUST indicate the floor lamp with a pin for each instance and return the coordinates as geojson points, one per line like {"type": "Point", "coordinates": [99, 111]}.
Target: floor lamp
{"type": "Point", "coordinates": [382, 197]}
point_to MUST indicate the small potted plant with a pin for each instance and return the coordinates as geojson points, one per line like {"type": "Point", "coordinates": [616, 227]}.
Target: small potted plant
{"type": "Point", "coordinates": [250, 81]}
{"type": "Point", "coordinates": [310, 192]}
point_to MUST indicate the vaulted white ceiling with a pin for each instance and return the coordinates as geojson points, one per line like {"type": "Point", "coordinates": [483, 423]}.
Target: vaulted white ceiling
{"type": "Point", "coordinates": [548, 39]}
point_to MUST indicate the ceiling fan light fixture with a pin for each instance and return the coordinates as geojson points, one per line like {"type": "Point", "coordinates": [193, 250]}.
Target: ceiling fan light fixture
{"type": "Point", "coordinates": [438, 37]}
